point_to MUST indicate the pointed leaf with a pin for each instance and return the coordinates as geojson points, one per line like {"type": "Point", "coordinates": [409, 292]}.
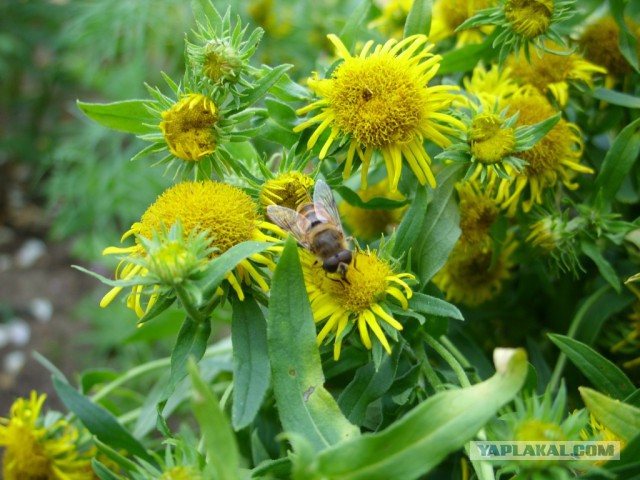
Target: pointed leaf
{"type": "Point", "coordinates": [420, 440]}
{"type": "Point", "coordinates": [622, 419]}
{"type": "Point", "coordinates": [411, 224]}
{"type": "Point", "coordinates": [419, 18]}
{"type": "Point", "coordinates": [250, 361]}
{"type": "Point", "coordinates": [129, 116]}
{"type": "Point", "coordinates": [422, 303]}
{"type": "Point", "coordinates": [223, 459]}
{"type": "Point", "coordinates": [306, 407]}
{"type": "Point", "coordinates": [602, 373]}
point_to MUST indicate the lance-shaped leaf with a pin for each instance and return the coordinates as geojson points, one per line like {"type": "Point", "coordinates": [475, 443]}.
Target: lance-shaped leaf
{"type": "Point", "coordinates": [306, 408]}
{"type": "Point", "coordinates": [129, 116]}
{"type": "Point", "coordinates": [620, 418]}
{"type": "Point", "coordinates": [420, 440]}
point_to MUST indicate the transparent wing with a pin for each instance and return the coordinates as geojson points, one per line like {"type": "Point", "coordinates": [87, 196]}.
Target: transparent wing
{"type": "Point", "coordinates": [325, 205]}
{"type": "Point", "coordinates": [291, 221]}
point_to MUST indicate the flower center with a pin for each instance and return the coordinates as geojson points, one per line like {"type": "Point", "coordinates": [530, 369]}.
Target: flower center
{"type": "Point", "coordinates": [188, 125]}
{"type": "Point", "coordinates": [378, 100]}
{"type": "Point", "coordinates": [366, 281]}
{"type": "Point", "coordinates": [289, 189]}
{"type": "Point", "coordinates": [222, 62]}
{"type": "Point", "coordinates": [555, 146]}
{"type": "Point", "coordinates": [537, 430]}
{"type": "Point", "coordinates": [529, 18]}
{"type": "Point", "coordinates": [227, 212]}
{"type": "Point", "coordinates": [489, 142]}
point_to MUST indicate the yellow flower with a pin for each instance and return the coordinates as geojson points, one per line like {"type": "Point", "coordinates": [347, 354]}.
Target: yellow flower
{"type": "Point", "coordinates": [555, 157]}
{"type": "Point", "coordinates": [450, 14]}
{"type": "Point", "coordinates": [478, 211]}
{"type": "Point", "coordinates": [288, 189]}
{"type": "Point", "coordinates": [492, 85]}
{"type": "Point", "coordinates": [188, 127]}
{"type": "Point", "coordinates": [35, 451]}
{"type": "Point", "coordinates": [549, 72]}
{"type": "Point", "coordinates": [489, 140]}
{"type": "Point", "coordinates": [227, 213]}
{"type": "Point", "coordinates": [357, 300]}
{"type": "Point", "coordinates": [370, 224]}
{"type": "Point", "coordinates": [471, 275]}
{"type": "Point", "coordinates": [529, 18]}
{"type": "Point", "coordinates": [381, 101]}
{"type": "Point", "coordinates": [532, 430]}
{"type": "Point", "coordinates": [600, 44]}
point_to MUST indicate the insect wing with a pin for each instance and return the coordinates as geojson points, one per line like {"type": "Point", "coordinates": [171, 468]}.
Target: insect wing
{"type": "Point", "coordinates": [325, 205]}
{"type": "Point", "coordinates": [290, 221]}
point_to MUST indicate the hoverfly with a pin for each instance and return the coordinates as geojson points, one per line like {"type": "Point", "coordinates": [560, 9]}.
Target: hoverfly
{"type": "Point", "coordinates": [316, 226]}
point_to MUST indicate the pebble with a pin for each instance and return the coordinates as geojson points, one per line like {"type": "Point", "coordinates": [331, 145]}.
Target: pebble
{"type": "Point", "coordinates": [30, 252]}
{"type": "Point", "coordinates": [41, 309]}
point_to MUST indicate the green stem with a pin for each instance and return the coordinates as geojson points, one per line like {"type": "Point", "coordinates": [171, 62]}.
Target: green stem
{"type": "Point", "coordinates": [449, 359]}
{"type": "Point", "coordinates": [426, 368]}
{"type": "Point", "coordinates": [218, 349]}
{"type": "Point", "coordinates": [195, 314]}
{"type": "Point", "coordinates": [573, 328]}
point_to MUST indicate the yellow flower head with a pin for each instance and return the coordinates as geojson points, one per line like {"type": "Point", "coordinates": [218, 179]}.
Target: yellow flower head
{"type": "Point", "coordinates": [188, 127]}
{"type": "Point", "coordinates": [555, 157]}
{"type": "Point", "coordinates": [600, 44]}
{"type": "Point", "coordinates": [359, 298]}
{"type": "Point", "coordinates": [450, 14]}
{"type": "Point", "coordinates": [478, 211]}
{"type": "Point", "coordinates": [34, 451]}
{"type": "Point", "coordinates": [550, 73]}
{"type": "Point", "coordinates": [492, 85]}
{"type": "Point", "coordinates": [380, 100]}
{"type": "Point", "coordinates": [227, 213]}
{"type": "Point", "coordinates": [529, 18]}
{"type": "Point", "coordinates": [288, 189]}
{"type": "Point", "coordinates": [489, 140]}
{"type": "Point", "coordinates": [370, 224]}
{"type": "Point", "coordinates": [533, 429]}
{"type": "Point", "coordinates": [470, 277]}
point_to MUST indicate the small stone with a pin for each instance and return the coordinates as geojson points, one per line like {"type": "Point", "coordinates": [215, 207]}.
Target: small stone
{"type": "Point", "coordinates": [31, 251]}
{"type": "Point", "coordinates": [14, 361]}
{"type": "Point", "coordinates": [41, 309]}
{"type": "Point", "coordinates": [19, 332]}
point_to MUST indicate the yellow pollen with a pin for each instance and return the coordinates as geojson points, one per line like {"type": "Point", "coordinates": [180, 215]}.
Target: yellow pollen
{"type": "Point", "coordinates": [289, 189]}
{"type": "Point", "coordinates": [227, 212]}
{"type": "Point", "coordinates": [366, 281]}
{"type": "Point", "coordinates": [489, 142]}
{"type": "Point", "coordinates": [377, 100]}
{"type": "Point", "coordinates": [529, 18]}
{"type": "Point", "coordinates": [188, 127]}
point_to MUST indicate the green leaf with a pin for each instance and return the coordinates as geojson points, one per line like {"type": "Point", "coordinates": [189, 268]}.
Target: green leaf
{"type": "Point", "coordinates": [306, 407]}
{"type": "Point", "coordinates": [618, 162]}
{"type": "Point", "coordinates": [223, 459]}
{"type": "Point", "coordinates": [419, 441]}
{"type": "Point", "coordinates": [411, 224]}
{"type": "Point", "coordinates": [367, 385]}
{"type": "Point", "coordinates": [103, 472]}
{"type": "Point", "coordinates": [226, 262]}
{"type": "Point", "coordinates": [349, 32]}
{"type": "Point", "coordinates": [592, 251]}
{"type": "Point", "coordinates": [441, 227]}
{"type": "Point", "coordinates": [378, 203]}
{"type": "Point", "coordinates": [191, 343]}
{"type": "Point", "coordinates": [419, 18]}
{"type": "Point", "coordinates": [99, 421]}
{"type": "Point", "coordinates": [602, 373]}
{"type": "Point", "coordinates": [626, 39]}
{"type": "Point", "coordinates": [465, 58]}
{"type": "Point", "coordinates": [205, 12]}
{"type": "Point", "coordinates": [622, 419]}
{"type": "Point", "coordinates": [422, 303]}
{"type": "Point", "coordinates": [263, 85]}
{"type": "Point", "coordinates": [616, 98]}
{"type": "Point", "coordinates": [129, 116]}
{"type": "Point", "coordinates": [250, 361]}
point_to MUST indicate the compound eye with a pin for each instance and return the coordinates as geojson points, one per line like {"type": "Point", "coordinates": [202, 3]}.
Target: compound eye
{"type": "Point", "coordinates": [331, 264]}
{"type": "Point", "coordinates": [345, 256]}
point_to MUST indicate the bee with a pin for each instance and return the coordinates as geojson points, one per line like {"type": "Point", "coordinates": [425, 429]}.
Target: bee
{"type": "Point", "coordinates": [317, 227]}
